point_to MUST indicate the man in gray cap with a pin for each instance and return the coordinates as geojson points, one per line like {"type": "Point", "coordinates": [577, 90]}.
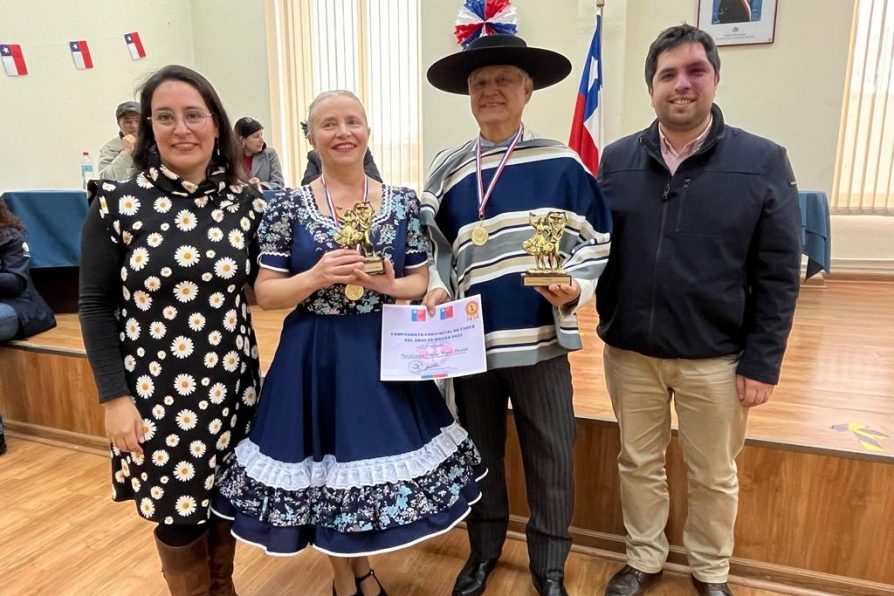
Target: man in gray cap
{"type": "Point", "coordinates": [115, 162]}
{"type": "Point", "coordinates": [477, 237]}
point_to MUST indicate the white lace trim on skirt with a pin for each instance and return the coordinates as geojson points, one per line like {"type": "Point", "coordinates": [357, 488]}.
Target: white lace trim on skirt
{"type": "Point", "coordinates": [365, 472]}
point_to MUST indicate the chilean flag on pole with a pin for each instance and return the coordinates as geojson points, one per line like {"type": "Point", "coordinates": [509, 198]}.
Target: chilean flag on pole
{"type": "Point", "coordinates": [134, 45]}
{"type": "Point", "coordinates": [586, 126]}
{"type": "Point", "coordinates": [13, 61]}
{"type": "Point", "coordinates": [80, 53]}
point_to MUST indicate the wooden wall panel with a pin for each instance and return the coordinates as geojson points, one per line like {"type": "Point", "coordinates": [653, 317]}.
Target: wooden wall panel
{"type": "Point", "coordinates": [820, 513]}
{"type": "Point", "coordinates": [49, 389]}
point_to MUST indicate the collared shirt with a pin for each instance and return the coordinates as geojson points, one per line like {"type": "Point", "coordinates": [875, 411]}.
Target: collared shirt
{"type": "Point", "coordinates": [672, 158]}
{"type": "Point", "coordinates": [486, 145]}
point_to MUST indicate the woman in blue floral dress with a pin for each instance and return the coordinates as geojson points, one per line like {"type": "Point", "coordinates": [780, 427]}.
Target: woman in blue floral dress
{"type": "Point", "coordinates": [337, 458]}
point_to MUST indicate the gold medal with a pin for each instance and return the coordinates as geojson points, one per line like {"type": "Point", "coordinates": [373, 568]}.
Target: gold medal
{"type": "Point", "coordinates": [353, 292]}
{"type": "Point", "coordinates": [479, 236]}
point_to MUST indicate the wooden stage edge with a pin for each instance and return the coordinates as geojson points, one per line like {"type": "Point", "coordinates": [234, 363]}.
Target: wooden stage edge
{"type": "Point", "coordinates": [40, 346]}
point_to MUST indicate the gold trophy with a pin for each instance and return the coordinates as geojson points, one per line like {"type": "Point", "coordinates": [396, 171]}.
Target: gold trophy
{"type": "Point", "coordinates": [355, 234]}
{"type": "Point", "coordinates": [544, 247]}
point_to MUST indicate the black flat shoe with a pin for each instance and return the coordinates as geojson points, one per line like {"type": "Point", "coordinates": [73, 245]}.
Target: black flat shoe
{"type": "Point", "coordinates": [372, 574]}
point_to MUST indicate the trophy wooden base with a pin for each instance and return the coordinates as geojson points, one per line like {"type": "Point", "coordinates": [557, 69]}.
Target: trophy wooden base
{"type": "Point", "coordinates": [373, 265]}
{"type": "Point", "coordinates": [540, 278]}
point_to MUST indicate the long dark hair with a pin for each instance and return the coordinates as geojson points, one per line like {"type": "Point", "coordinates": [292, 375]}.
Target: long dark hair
{"type": "Point", "coordinates": [8, 218]}
{"type": "Point", "coordinates": [226, 141]}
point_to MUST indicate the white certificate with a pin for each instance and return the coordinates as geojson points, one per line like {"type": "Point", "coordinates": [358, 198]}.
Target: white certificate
{"type": "Point", "coordinates": [418, 346]}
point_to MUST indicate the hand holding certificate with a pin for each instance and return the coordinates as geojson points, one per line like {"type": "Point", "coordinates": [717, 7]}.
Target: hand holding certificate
{"type": "Point", "coordinates": [417, 346]}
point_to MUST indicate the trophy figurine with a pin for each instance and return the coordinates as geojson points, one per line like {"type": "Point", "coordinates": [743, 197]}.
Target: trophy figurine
{"type": "Point", "coordinates": [544, 247]}
{"type": "Point", "coordinates": [355, 234]}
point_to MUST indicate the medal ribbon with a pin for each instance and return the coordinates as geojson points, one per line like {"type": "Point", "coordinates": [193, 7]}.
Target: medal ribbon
{"type": "Point", "coordinates": [331, 204]}
{"type": "Point", "coordinates": [484, 197]}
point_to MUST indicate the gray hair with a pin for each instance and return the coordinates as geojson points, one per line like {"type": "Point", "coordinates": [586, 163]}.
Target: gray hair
{"type": "Point", "coordinates": [312, 110]}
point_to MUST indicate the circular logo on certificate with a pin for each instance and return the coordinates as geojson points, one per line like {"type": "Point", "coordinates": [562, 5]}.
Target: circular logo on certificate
{"type": "Point", "coordinates": [471, 310]}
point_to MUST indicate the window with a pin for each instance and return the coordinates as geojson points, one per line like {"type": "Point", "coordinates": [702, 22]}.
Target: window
{"type": "Point", "coordinates": [370, 47]}
{"type": "Point", "coordinates": [864, 177]}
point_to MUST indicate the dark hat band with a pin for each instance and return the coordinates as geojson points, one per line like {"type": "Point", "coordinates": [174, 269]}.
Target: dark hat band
{"type": "Point", "coordinates": [545, 67]}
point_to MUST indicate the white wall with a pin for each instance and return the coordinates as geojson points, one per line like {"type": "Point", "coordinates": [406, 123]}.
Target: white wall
{"type": "Point", "coordinates": [789, 91]}
{"type": "Point", "coordinates": [50, 116]}
{"type": "Point", "coordinates": [230, 48]}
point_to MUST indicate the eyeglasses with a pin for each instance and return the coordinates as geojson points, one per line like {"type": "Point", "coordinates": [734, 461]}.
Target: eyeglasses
{"type": "Point", "coordinates": [193, 119]}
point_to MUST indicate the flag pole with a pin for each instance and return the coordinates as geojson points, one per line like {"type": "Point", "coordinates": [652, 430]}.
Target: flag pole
{"type": "Point", "coordinates": [600, 4]}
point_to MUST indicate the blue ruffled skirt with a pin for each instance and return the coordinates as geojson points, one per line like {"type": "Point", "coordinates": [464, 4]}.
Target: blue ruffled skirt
{"type": "Point", "coordinates": [340, 460]}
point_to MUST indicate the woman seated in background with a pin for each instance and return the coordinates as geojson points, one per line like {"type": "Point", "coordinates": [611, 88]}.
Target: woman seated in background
{"type": "Point", "coordinates": [337, 458]}
{"type": "Point", "coordinates": [23, 312]}
{"type": "Point", "coordinates": [261, 163]}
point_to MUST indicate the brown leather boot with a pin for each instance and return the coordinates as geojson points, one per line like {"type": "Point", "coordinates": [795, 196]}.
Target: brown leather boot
{"type": "Point", "coordinates": [221, 551]}
{"type": "Point", "coordinates": [186, 567]}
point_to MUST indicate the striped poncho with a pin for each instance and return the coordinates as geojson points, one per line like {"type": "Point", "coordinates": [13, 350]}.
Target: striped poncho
{"type": "Point", "coordinates": [542, 175]}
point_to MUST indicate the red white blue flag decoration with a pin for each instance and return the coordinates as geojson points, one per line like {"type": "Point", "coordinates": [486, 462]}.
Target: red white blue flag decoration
{"type": "Point", "coordinates": [13, 61]}
{"type": "Point", "coordinates": [586, 126]}
{"type": "Point", "coordinates": [80, 53]}
{"type": "Point", "coordinates": [484, 17]}
{"type": "Point", "coordinates": [134, 45]}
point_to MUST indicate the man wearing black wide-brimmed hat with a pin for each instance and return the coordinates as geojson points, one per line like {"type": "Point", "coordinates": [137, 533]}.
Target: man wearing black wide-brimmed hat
{"type": "Point", "coordinates": [476, 206]}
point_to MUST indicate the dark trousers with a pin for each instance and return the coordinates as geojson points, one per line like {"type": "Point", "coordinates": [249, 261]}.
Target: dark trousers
{"type": "Point", "coordinates": [544, 419]}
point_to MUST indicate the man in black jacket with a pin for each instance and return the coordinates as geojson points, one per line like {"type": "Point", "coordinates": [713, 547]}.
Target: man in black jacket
{"type": "Point", "coordinates": [695, 305]}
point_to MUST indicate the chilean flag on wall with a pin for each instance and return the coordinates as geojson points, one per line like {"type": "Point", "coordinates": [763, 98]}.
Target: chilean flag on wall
{"type": "Point", "coordinates": [80, 53]}
{"type": "Point", "coordinates": [13, 61]}
{"type": "Point", "coordinates": [586, 126]}
{"type": "Point", "coordinates": [134, 45]}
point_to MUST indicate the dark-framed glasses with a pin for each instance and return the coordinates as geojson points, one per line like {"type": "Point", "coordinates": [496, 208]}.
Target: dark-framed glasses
{"type": "Point", "coordinates": [192, 119]}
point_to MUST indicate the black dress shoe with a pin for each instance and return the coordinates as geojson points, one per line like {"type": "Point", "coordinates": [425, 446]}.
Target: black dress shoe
{"type": "Point", "coordinates": [550, 586]}
{"type": "Point", "coordinates": [706, 589]}
{"type": "Point", "coordinates": [630, 581]}
{"type": "Point", "coordinates": [473, 577]}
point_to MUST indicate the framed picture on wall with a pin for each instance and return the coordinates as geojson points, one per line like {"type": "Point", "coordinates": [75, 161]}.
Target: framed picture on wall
{"type": "Point", "coordinates": [738, 22]}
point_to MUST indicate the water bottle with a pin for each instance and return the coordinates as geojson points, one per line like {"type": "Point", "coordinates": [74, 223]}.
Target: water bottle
{"type": "Point", "coordinates": [86, 169]}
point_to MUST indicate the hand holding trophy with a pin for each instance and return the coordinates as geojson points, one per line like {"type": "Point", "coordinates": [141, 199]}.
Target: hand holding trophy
{"type": "Point", "coordinates": [544, 246]}
{"type": "Point", "coordinates": [355, 234]}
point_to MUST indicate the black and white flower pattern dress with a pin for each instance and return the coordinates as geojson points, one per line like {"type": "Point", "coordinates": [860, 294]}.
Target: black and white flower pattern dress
{"type": "Point", "coordinates": [186, 336]}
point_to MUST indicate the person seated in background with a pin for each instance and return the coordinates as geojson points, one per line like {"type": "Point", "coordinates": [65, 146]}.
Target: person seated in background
{"type": "Point", "coordinates": [115, 161]}
{"type": "Point", "coordinates": [261, 163]}
{"type": "Point", "coordinates": [22, 311]}
{"type": "Point", "coordinates": [315, 167]}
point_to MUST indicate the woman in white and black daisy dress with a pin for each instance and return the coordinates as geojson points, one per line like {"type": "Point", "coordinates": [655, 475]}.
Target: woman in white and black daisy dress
{"type": "Point", "coordinates": [166, 324]}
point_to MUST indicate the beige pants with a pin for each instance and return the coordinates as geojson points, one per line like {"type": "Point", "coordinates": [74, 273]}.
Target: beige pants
{"type": "Point", "coordinates": [712, 432]}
